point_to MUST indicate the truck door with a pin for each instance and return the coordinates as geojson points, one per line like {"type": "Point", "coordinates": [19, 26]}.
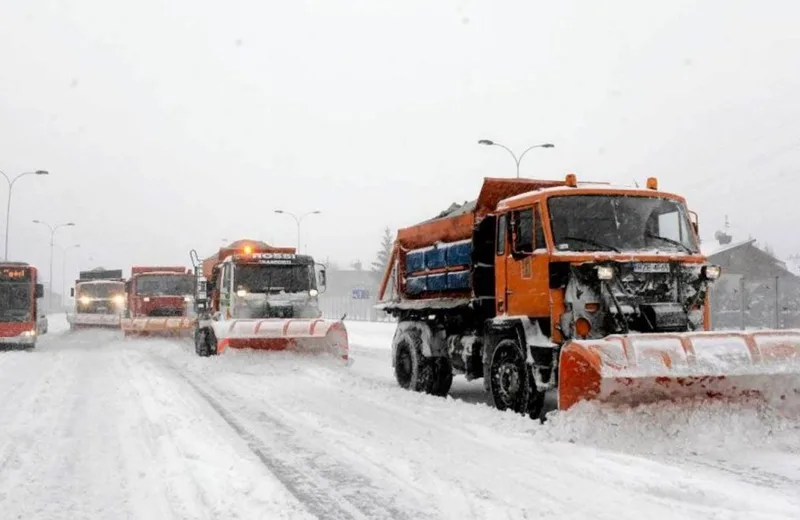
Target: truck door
{"type": "Point", "coordinates": [501, 250]}
{"type": "Point", "coordinates": [527, 276]}
{"type": "Point", "coordinates": [225, 281]}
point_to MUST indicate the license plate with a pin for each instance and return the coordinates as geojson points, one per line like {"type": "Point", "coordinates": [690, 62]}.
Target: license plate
{"type": "Point", "coordinates": [656, 267]}
{"type": "Point", "coordinates": [102, 309]}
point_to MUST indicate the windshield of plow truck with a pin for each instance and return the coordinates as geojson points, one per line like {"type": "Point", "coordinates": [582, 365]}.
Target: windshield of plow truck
{"type": "Point", "coordinates": [15, 301]}
{"type": "Point", "coordinates": [619, 223]}
{"type": "Point", "coordinates": [255, 278]}
{"type": "Point", "coordinates": [100, 290]}
{"type": "Point", "coordinates": [165, 285]}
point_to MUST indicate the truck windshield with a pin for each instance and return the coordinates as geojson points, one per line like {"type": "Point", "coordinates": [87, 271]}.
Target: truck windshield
{"type": "Point", "coordinates": [15, 301]}
{"type": "Point", "coordinates": [165, 285]}
{"type": "Point", "coordinates": [100, 290]}
{"type": "Point", "coordinates": [619, 223]}
{"type": "Point", "coordinates": [261, 278]}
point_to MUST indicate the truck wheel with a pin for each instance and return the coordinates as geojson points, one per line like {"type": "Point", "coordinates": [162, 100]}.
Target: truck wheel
{"type": "Point", "coordinates": [511, 381]}
{"type": "Point", "coordinates": [205, 343]}
{"type": "Point", "coordinates": [411, 369]}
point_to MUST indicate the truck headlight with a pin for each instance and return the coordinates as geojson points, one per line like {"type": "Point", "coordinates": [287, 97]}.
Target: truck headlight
{"type": "Point", "coordinates": [118, 300]}
{"type": "Point", "coordinates": [187, 299]}
{"type": "Point", "coordinates": [28, 333]}
{"type": "Point", "coordinates": [605, 272]}
{"type": "Point", "coordinates": [313, 292]}
{"type": "Point", "coordinates": [241, 293]}
{"type": "Point", "coordinates": [85, 300]}
{"type": "Point", "coordinates": [711, 272]}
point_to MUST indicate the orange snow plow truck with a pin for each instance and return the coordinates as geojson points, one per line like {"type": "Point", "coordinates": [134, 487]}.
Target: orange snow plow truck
{"type": "Point", "coordinates": [598, 292]}
{"type": "Point", "coordinates": [253, 295]}
{"type": "Point", "coordinates": [160, 302]}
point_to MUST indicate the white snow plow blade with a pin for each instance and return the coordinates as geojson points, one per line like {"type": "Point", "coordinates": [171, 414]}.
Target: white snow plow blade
{"type": "Point", "coordinates": [315, 335]}
{"type": "Point", "coordinates": [80, 320]}
{"type": "Point", "coordinates": [640, 368]}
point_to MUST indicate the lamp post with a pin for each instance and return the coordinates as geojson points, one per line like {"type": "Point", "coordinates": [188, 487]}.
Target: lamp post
{"type": "Point", "coordinates": [298, 220]}
{"type": "Point", "coordinates": [8, 204]}
{"type": "Point", "coordinates": [487, 142]}
{"type": "Point", "coordinates": [64, 268]}
{"type": "Point", "coordinates": [53, 230]}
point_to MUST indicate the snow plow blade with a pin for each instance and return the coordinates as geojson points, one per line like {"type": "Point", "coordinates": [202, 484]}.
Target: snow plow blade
{"type": "Point", "coordinates": [93, 321]}
{"type": "Point", "coordinates": [312, 335]}
{"type": "Point", "coordinates": [644, 368]}
{"type": "Point", "coordinates": [159, 327]}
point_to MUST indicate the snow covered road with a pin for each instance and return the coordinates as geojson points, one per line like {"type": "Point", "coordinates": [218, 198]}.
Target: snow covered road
{"type": "Point", "coordinates": [94, 426]}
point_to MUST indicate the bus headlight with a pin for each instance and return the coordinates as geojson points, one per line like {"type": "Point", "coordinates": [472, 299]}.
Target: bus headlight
{"type": "Point", "coordinates": [28, 333]}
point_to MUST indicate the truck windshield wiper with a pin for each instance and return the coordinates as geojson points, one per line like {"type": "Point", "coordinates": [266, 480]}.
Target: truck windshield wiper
{"type": "Point", "coordinates": [670, 241]}
{"type": "Point", "coordinates": [592, 242]}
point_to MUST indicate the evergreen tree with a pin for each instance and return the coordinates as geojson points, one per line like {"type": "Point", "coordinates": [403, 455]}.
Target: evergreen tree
{"type": "Point", "coordinates": [382, 258]}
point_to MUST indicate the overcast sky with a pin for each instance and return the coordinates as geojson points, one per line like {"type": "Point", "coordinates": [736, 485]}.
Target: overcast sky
{"type": "Point", "coordinates": [170, 125]}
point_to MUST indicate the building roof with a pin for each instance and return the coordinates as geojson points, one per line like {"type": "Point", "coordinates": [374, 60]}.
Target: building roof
{"type": "Point", "coordinates": [716, 248]}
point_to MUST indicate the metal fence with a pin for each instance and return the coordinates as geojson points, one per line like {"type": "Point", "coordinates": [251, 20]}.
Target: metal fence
{"type": "Point", "coordinates": [356, 309]}
{"type": "Point", "coordinates": [740, 302]}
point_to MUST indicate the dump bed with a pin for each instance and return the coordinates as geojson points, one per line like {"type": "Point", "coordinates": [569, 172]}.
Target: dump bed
{"type": "Point", "coordinates": [434, 257]}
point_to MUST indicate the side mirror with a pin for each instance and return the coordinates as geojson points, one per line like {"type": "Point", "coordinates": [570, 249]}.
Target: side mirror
{"type": "Point", "coordinates": [695, 222]}
{"type": "Point", "coordinates": [128, 287]}
{"type": "Point", "coordinates": [322, 279]}
{"type": "Point", "coordinates": [39, 290]}
{"type": "Point", "coordinates": [72, 292]}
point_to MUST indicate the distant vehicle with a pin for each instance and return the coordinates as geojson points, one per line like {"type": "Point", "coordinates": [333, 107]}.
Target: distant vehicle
{"type": "Point", "coordinates": [262, 297]}
{"type": "Point", "coordinates": [159, 301]}
{"type": "Point", "coordinates": [20, 317]}
{"type": "Point", "coordinates": [99, 299]}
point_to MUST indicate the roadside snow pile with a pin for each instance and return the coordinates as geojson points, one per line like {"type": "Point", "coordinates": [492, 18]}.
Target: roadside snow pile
{"type": "Point", "coordinates": [688, 426]}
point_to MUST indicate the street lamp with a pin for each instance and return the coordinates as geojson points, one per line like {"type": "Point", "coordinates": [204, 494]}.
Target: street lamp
{"type": "Point", "coordinates": [53, 230]}
{"type": "Point", "coordinates": [8, 204]}
{"type": "Point", "coordinates": [487, 142]}
{"type": "Point", "coordinates": [298, 220]}
{"type": "Point", "coordinates": [64, 268]}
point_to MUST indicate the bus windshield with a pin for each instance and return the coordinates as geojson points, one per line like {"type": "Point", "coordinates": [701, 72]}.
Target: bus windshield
{"type": "Point", "coordinates": [15, 301]}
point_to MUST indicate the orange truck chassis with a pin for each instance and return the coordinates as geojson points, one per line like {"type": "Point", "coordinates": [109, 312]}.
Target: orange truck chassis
{"type": "Point", "coordinates": [598, 292]}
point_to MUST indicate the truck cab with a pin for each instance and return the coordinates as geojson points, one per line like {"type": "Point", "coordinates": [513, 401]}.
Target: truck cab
{"type": "Point", "coordinates": [159, 291]}
{"type": "Point", "coordinates": [100, 300]}
{"type": "Point", "coordinates": [267, 285]}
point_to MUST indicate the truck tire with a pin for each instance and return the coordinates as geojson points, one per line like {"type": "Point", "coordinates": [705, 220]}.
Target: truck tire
{"type": "Point", "coordinates": [511, 381]}
{"type": "Point", "coordinates": [412, 369]}
{"type": "Point", "coordinates": [205, 343]}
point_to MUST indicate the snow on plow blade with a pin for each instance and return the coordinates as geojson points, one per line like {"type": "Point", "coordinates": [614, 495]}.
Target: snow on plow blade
{"type": "Point", "coordinates": [159, 327]}
{"type": "Point", "coordinates": [80, 320]}
{"type": "Point", "coordinates": [314, 335]}
{"type": "Point", "coordinates": [643, 368]}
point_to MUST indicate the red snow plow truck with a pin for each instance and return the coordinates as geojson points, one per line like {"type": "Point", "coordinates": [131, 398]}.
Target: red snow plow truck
{"type": "Point", "coordinates": [160, 302]}
{"type": "Point", "coordinates": [595, 291]}
{"type": "Point", "coordinates": [253, 295]}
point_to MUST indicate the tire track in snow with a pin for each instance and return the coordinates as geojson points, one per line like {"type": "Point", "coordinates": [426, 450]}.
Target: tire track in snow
{"type": "Point", "coordinates": [315, 482]}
